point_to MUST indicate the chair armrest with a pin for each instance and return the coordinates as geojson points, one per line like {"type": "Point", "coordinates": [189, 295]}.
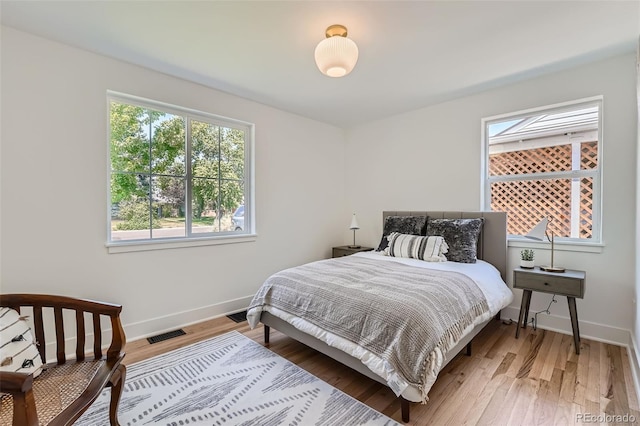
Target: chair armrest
{"type": "Point", "coordinates": [15, 382]}
{"type": "Point", "coordinates": [19, 385]}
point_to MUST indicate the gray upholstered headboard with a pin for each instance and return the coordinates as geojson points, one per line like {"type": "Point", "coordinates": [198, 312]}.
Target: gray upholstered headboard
{"type": "Point", "coordinates": [492, 246]}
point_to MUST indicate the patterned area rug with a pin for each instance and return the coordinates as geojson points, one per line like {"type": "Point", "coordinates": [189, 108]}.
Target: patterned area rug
{"type": "Point", "coordinates": [229, 380]}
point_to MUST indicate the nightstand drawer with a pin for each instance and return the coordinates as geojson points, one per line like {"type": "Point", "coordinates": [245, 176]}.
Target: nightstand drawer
{"type": "Point", "coordinates": [346, 250]}
{"type": "Point", "coordinates": [564, 286]}
{"type": "Point", "coordinates": [338, 252]}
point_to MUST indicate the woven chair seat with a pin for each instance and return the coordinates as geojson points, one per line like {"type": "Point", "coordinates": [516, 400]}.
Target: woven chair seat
{"type": "Point", "coordinates": [54, 390]}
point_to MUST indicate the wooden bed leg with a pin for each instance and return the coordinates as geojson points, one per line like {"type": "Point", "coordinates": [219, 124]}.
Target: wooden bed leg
{"type": "Point", "coordinates": [498, 316]}
{"type": "Point", "coordinates": [469, 348]}
{"type": "Point", "coordinates": [266, 333]}
{"type": "Point", "coordinates": [404, 408]}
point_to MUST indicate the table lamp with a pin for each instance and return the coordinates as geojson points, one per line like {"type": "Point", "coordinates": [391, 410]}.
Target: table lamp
{"type": "Point", "coordinates": [538, 233]}
{"type": "Point", "coordinates": [354, 226]}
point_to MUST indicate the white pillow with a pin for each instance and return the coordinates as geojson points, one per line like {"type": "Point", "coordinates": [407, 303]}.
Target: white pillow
{"type": "Point", "coordinates": [430, 249]}
{"type": "Point", "coordinates": [18, 351]}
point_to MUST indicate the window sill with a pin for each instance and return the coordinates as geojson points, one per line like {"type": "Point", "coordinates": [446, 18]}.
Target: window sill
{"type": "Point", "coordinates": [132, 246]}
{"type": "Point", "coordinates": [558, 245]}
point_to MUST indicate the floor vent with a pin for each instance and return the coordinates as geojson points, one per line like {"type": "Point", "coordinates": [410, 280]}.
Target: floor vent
{"type": "Point", "coordinates": [238, 316]}
{"type": "Point", "coordinates": [166, 336]}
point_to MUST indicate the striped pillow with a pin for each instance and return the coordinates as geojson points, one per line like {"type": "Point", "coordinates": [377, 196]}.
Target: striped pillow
{"type": "Point", "coordinates": [431, 249]}
{"type": "Point", "coordinates": [18, 352]}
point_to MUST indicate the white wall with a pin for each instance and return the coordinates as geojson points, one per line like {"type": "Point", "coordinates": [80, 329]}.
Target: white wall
{"type": "Point", "coordinates": [430, 159]}
{"type": "Point", "coordinates": [54, 182]}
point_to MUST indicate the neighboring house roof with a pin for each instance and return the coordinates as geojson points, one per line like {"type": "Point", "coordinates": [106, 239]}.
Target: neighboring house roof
{"type": "Point", "coordinates": [545, 125]}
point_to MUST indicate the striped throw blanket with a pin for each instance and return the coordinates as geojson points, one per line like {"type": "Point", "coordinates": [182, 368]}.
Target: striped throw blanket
{"type": "Point", "coordinates": [407, 316]}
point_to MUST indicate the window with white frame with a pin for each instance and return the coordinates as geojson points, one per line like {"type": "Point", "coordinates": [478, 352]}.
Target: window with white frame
{"type": "Point", "coordinates": [546, 163]}
{"type": "Point", "coordinates": [176, 173]}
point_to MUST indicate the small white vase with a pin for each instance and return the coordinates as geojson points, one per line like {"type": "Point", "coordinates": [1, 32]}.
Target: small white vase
{"type": "Point", "coordinates": [527, 264]}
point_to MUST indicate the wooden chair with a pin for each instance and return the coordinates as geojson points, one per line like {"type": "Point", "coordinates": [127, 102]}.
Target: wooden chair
{"type": "Point", "coordinates": [66, 388]}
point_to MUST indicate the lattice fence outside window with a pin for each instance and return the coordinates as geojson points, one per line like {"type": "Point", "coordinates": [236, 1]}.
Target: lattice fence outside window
{"type": "Point", "coordinates": [528, 184]}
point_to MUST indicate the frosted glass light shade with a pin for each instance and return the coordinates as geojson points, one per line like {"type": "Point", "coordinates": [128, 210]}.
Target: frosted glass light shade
{"type": "Point", "coordinates": [336, 56]}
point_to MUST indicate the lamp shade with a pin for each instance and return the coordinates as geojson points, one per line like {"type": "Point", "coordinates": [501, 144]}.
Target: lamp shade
{"type": "Point", "coordinates": [539, 231]}
{"type": "Point", "coordinates": [354, 223]}
{"type": "Point", "coordinates": [336, 55]}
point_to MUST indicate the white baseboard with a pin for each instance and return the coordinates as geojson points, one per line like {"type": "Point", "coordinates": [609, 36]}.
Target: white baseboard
{"type": "Point", "coordinates": [588, 330]}
{"type": "Point", "coordinates": [143, 329]}
{"type": "Point", "coordinates": [632, 348]}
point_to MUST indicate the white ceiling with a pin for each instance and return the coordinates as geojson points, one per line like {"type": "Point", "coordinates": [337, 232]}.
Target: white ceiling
{"type": "Point", "coordinates": [412, 54]}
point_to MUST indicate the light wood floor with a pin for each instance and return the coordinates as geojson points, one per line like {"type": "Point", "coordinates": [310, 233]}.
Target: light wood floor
{"type": "Point", "coordinates": [536, 379]}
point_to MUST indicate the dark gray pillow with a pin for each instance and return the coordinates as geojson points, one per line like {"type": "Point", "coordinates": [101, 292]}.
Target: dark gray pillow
{"type": "Point", "coordinates": [461, 236]}
{"type": "Point", "coordinates": [412, 225]}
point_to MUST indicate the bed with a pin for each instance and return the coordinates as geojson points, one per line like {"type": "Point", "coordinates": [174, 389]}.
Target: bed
{"type": "Point", "coordinates": [481, 294]}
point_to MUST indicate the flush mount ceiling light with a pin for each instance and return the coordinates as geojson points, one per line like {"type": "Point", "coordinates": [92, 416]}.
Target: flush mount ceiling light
{"type": "Point", "coordinates": [336, 55]}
